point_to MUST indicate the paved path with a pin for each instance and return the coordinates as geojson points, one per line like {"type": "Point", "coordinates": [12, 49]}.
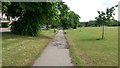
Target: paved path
{"type": "Point", "coordinates": [56, 53]}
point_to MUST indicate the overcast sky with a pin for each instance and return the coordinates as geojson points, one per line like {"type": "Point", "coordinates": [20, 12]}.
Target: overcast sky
{"type": "Point", "coordinates": [87, 9]}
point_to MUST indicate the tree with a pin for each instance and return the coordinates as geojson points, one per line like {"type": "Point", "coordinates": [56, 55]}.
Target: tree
{"type": "Point", "coordinates": [68, 19]}
{"type": "Point", "coordinates": [104, 18]}
{"type": "Point", "coordinates": [30, 17]}
{"type": "Point", "coordinates": [63, 14]}
{"type": "Point", "coordinates": [55, 20]}
{"type": "Point", "coordinates": [73, 20]}
{"type": "Point", "coordinates": [101, 19]}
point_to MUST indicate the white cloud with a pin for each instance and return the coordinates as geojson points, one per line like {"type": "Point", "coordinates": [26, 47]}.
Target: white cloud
{"type": "Point", "coordinates": [87, 9]}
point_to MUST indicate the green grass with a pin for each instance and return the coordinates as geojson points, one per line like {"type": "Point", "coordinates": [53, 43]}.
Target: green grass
{"type": "Point", "coordinates": [0, 50]}
{"type": "Point", "coordinates": [23, 50]}
{"type": "Point", "coordinates": [86, 50]}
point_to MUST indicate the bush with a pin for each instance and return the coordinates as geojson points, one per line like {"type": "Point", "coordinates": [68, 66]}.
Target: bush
{"type": "Point", "coordinates": [4, 24]}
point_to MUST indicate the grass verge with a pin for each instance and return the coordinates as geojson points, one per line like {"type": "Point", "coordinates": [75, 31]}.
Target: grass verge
{"type": "Point", "coordinates": [23, 50]}
{"type": "Point", "coordinates": [87, 50]}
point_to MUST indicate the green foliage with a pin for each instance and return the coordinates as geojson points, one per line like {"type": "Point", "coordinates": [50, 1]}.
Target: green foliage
{"type": "Point", "coordinates": [93, 23]}
{"type": "Point", "coordinates": [105, 18]}
{"type": "Point", "coordinates": [31, 16]}
{"type": "Point", "coordinates": [73, 19]}
{"type": "Point", "coordinates": [114, 23]}
{"type": "Point", "coordinates": [68, 18]}
{"type": "Point", "coordinates": [26, 27]}
{"type": "Point", "coordinates": [54, 19]}
{"type": "Point", "coordinates": [63, 8]}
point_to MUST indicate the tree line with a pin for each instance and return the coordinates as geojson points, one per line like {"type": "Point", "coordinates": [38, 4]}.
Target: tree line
{"type": "Point", "coordinates": [32, 15]}
{"type": "Point", "coordinates": [104, 18]}
{"type": "Point", "coordinates": [94, 23]}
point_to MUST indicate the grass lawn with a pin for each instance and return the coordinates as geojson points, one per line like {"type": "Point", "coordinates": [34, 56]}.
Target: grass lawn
{"type": "Point", "coordinates": [0, 50]}
{"type": "Point", "coordinates": [23, 50]}
{"type": "Point", "coordinates": [86, 50]}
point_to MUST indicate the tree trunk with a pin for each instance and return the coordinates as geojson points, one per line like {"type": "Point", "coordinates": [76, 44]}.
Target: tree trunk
{"type": "Point", "coordinates": [47, 26]}
{"type": "Point", "coordinates": [103, 32]}
{"type": "Point", "coordinates": [54, 30]}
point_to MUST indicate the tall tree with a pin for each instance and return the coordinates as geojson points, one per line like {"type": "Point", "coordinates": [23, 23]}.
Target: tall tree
{"type": "Point", "coordinates": [63, 10]}
{"type": "Point", "coordinates": [73, 19]}
{"type": "Point", "coordinates": [31, 16]}
{"type": "Point", "coordinates": [68, 19]}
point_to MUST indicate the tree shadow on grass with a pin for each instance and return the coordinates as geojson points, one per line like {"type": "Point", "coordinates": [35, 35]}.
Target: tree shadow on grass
{"type": "Point", "coordinates": [93, 39]}
{"type": "Point", "coordinates": [43, 36]}
{"type": "Point", "coordinates": [9, 35]}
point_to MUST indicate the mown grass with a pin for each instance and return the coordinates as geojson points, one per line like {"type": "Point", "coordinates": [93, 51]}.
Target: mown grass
{"type": "Point", "coordinates": [87, 50]}
{"type": "Point", "coordinates": [23, 50]}
{"type": "Point", "coordinates": [0, 50]}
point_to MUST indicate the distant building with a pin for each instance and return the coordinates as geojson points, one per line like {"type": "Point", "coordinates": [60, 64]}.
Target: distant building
{"type": "Point", "coordinates": [3, 18]}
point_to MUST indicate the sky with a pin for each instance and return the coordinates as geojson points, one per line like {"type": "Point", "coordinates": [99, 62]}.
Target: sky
{"type": "Point", "coordinates": [87, 9]}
